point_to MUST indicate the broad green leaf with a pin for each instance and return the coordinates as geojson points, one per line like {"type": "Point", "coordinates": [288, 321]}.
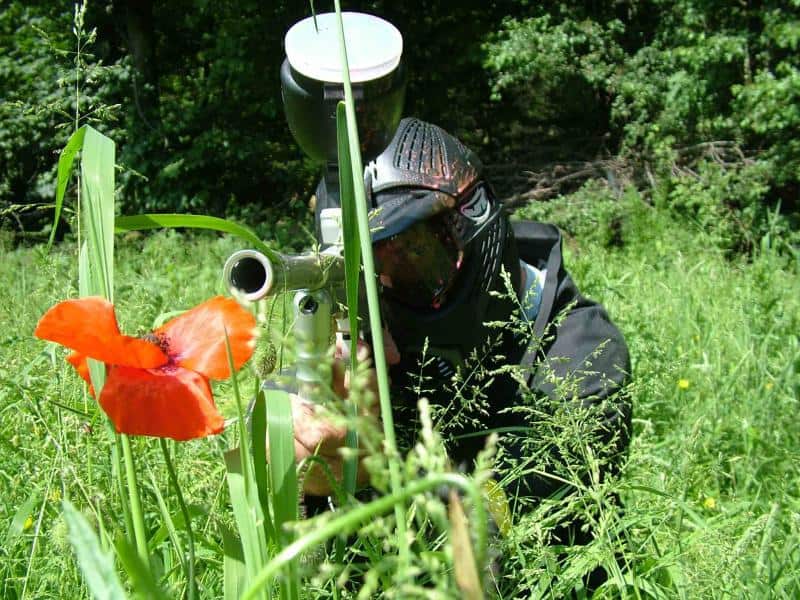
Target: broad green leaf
{"type": "Point", "coordinates": [97, 566]}
{"type": "Point", "coordinates": [258, 428]}
{"type": "Point", "coordinates": [142, 578]}
{"type": "Point", "coordinates": [283, 475]}
{"type": "Point", "coordinates": [17, 525]}
{"type": "Point", "coordinates": [282, 465]}
{"type": "Point", "coordinates": [243, 490]}
{"type": "Point", "coordinates": [97, 204]}
{"type": "Point", "coordinates": [96, 260]}
{"type": "Point", "coordinates": [157, 221]}
{"type": "Point", "coordinates": [65, 161]}
{"type": "Point", "coordinates": [232, 565]}
{"type": "Point", "coordinates": [246, 513]}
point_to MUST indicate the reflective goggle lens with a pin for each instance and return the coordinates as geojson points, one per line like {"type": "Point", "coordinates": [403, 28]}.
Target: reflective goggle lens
{"type": "Point", "coordinates": [419, 266]}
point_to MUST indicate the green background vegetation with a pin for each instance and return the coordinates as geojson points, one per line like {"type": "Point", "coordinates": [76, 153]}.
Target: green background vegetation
{"type": "Point", "coordinates": [664, 135]}
{"type": "Point", "coordinates": [694, 100]}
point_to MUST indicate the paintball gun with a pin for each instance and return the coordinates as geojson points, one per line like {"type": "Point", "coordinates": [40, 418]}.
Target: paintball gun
{"type": "Point", "coordinates": [312, 86]}
{"type": "Point", "coordinates": [318, 280]}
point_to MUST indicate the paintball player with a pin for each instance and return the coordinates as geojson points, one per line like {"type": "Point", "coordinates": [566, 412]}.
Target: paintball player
{"type": "Point", "coordinates": [469, 300]}
{"type": "Point", "coordinates": [450, 264]}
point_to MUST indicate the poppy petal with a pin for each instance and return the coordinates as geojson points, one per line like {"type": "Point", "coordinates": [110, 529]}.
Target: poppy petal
{"type": "Point", "coordinates": [78, 360]}
{"type": "Point", "coordinates": [169, 402]}
{"type": "Point", "coordinates": [89, 326]}
{"type": "Point", "coordinates": [196, 339]}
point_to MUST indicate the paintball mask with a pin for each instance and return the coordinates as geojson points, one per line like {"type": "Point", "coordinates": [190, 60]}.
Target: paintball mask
{"type": "Point", "coordinates": [440, 241]}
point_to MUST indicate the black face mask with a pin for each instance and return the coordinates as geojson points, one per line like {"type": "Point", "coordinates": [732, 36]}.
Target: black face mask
{"type": "Point", "coordinates": [455, 328]}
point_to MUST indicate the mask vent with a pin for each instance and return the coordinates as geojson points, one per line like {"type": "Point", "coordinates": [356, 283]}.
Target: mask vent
{"type": "Point", "coordinates": [491, 246]}
{"type": "Point", "coordinates": [421, 150]}
{"type": "Point", "coordinates": [446, 370]}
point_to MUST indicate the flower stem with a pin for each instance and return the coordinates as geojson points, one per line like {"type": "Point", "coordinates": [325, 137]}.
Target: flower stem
{"type": "Point", "coordinates": [135, 501]}
{"type": "Point", "coordinates": [173, 477]}
{"type": "Point", "coordinates": [116, 456]}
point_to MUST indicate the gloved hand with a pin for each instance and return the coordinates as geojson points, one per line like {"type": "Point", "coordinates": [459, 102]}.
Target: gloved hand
{"type": "Point", "coordinates": [315, 433]}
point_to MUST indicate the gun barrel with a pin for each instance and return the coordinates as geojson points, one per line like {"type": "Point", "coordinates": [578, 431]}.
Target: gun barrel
{"type": "Point", "coordinates": [253, 275]}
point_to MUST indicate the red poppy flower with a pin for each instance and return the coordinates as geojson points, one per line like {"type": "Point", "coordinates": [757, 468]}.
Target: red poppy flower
{"type": "Point", "coordinates": [156, 385]}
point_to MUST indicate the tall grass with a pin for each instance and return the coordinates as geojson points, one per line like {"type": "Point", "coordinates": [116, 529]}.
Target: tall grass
{"type": "Point", "coordinates": [710, 491]}
{"type": "Point", "coordinates": [264, 497]}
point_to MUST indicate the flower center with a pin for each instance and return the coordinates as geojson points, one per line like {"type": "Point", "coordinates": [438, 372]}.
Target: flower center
{"type": "Point", "coordinates": [161, 341]}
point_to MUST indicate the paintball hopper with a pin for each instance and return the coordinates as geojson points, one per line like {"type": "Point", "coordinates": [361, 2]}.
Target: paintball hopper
{"type": "Point", "coordinates": [312, 85]}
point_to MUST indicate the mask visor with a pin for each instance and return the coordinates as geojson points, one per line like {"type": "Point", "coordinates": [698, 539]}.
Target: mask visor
{"type": "Point", "coordinates": [420, 265]}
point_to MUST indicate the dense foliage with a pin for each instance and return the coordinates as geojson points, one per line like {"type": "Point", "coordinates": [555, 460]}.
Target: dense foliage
{"type": "Point", "coordinates": [697, 99]}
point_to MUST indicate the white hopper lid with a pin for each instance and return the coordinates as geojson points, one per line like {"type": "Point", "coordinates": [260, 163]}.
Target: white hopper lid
{"type": "Point", "coordinates": [374, 47]}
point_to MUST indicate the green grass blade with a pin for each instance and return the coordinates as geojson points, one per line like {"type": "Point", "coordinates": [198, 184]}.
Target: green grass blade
{"type": "Point", "coordinates": [179, 520]}
{"type": "Point", "coordinates": [97, 566]}
{"type": "Point", "coordinates": [352, 271]}
{"type": "Point", "coordinates": [352, 248]}
{"type": "Point", "coordinates": [97, 188]}
{"type": "Point", "coordinates": [166, 518]}
{"type": "Point", "coordinates": [314, 15]}
{"type": "Point", "coordinates": [258, 427]}
{"type": "Point", "coordinates": [282, 465]}
{"type": "Point", "coordinates": [96, 259]}
{"type": "Point", "coordinates": [157, 221]}
{"type": "Point", "coordinates": [65, 161]}
{"type": "Point", "coordinates": [246, 513]}
{"type": "Point", "coordinates": [283, 473]}
{"type": "Point", "coordinates": [142, 578]}
{"type": "Point", "coordinates": [189, 561]}
{"type": "Point", "coordinates": [96, 275]}
{"type": "Point", "coordinates": [373, 303]}
{"type": "Point", "coordinates": [243, 490]}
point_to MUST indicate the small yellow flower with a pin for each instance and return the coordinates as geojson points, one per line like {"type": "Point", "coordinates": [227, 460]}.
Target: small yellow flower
{"type": "Point", "coordinates": [27, 524]}
{"type": "Point", "coordinates": [769, 385]}
{"type": "Point", "coordinates": [55, 496]}
{"type": "Point", "coordinates": [683, 384]}
{"type": "Point", "coordinates": [710, 503]}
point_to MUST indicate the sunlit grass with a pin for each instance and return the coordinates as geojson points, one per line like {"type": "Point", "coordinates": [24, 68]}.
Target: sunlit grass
{"type": "Point", "coordinates": [710, 492]}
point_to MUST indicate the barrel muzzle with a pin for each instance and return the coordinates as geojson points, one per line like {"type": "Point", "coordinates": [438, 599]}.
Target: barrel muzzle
{"type": "Point", "coordinates": [249, 274]}
{"type": "Point", "coordinates": [252, 275]}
